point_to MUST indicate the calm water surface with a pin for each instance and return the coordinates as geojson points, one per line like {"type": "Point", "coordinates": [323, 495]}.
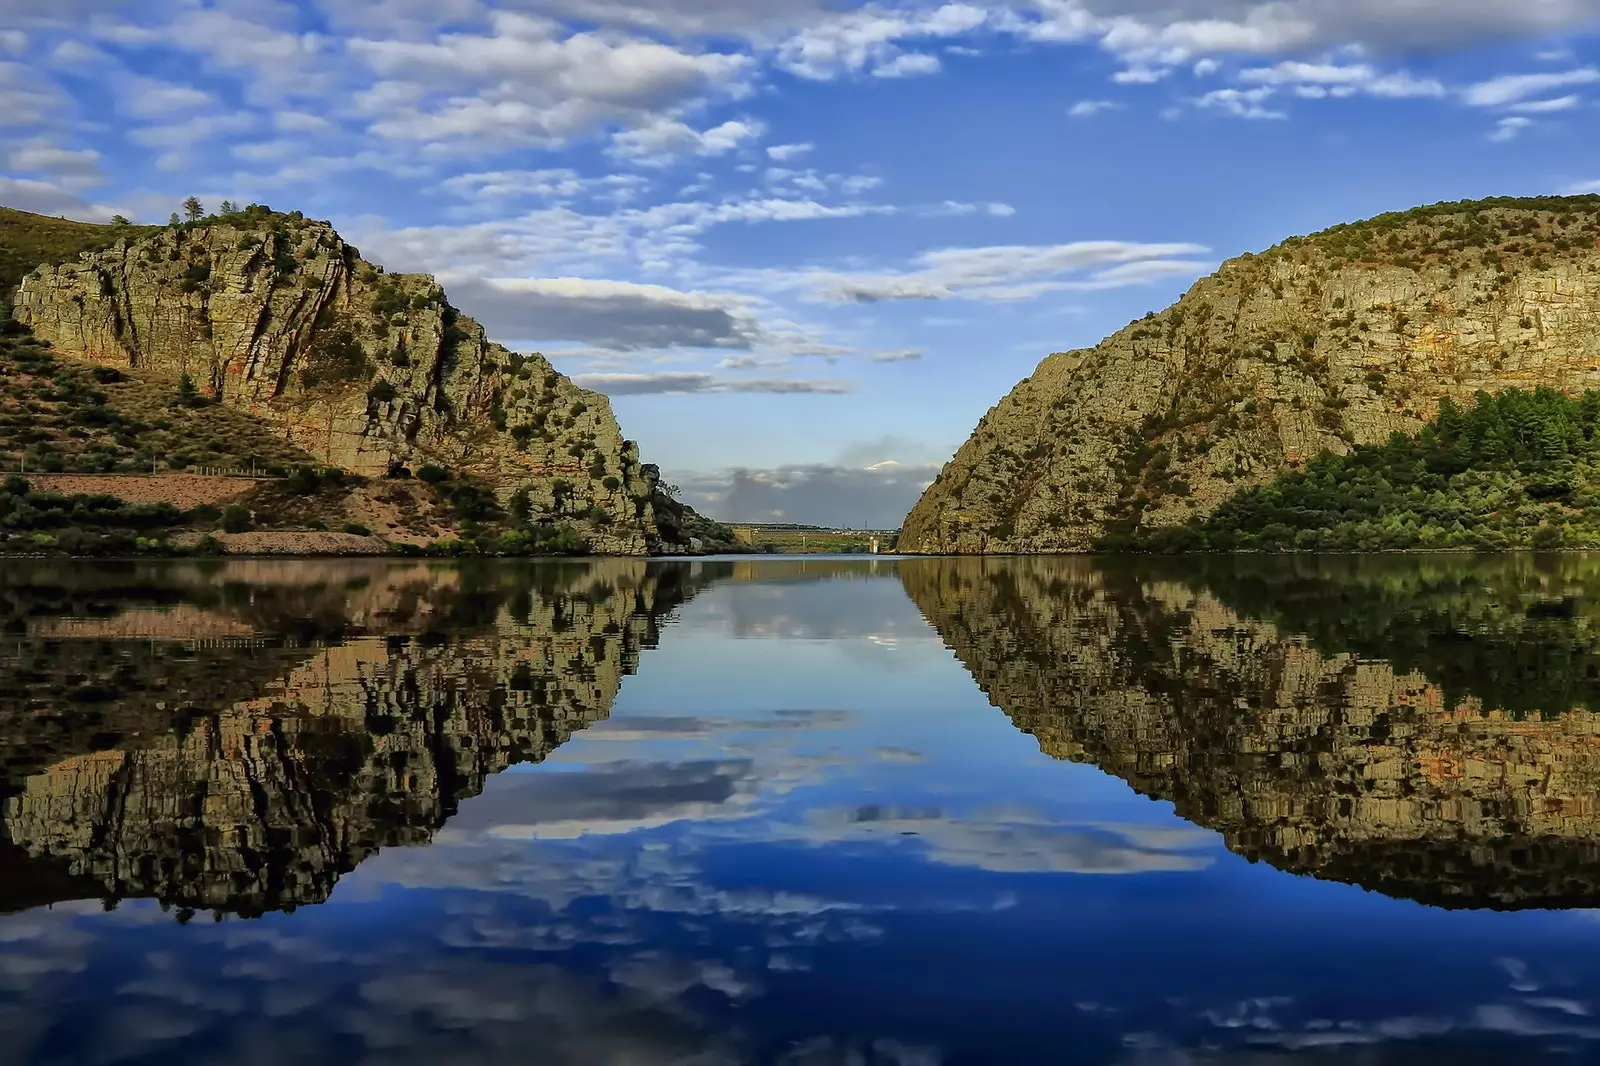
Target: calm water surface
{"type": "Point", "coordinates": [801, 812]}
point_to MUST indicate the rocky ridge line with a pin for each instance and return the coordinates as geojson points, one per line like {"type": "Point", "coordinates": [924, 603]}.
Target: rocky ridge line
{"type": "Point", "coordinates": [1322, 343]}
{"type": "Point", "coordinates": [279, 316]}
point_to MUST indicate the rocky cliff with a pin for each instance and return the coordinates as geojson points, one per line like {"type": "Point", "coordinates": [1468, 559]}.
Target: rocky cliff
{"type": "Point", "coordinates": [1321, 343]}
{"type": "Point", "coordinates": [1319, 761]}
{"type": "Point", "coordinates": [280, 317]}
{"type": "Point", "coordinates": [386, 695]}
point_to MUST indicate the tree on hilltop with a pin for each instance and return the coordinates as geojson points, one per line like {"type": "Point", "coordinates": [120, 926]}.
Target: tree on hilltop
{"type": "Point", "coordinates": [172, 219]}
{"type": "Point", "coordinates": [119, 220]}
{"type": "Point", "coordinates": [227, 207]}
{"type": "Point", "coordinates": [193, 209]}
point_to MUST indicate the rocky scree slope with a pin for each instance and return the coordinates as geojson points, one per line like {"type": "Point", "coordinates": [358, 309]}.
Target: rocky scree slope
{"type": "Point", "coordinates": [1324, 342]}
{"type": "Point", "coordinates": [367, 371]}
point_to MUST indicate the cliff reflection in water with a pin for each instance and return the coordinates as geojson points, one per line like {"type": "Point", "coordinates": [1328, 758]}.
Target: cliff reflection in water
{"type": "Point", "coordinates": [237, 736]}
{"type": "Point", "coordinates": [1423, 726]}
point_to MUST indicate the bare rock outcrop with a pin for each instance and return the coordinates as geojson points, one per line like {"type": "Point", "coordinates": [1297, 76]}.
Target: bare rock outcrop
{"type": "Point", "coordinates": [1322, 343]}
{"type": "Point", "coordinates": [279, 316]}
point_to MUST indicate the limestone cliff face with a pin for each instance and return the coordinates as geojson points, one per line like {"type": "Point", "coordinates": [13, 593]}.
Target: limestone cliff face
{"type": "Point", "coordinates": [1322, 763]}
{"type": "Point", "coordinates": [264, 801]}
{"type": "Point", "coordinates": [1338, 339]}
{"type": "Point", "coordinates": [277, 315]}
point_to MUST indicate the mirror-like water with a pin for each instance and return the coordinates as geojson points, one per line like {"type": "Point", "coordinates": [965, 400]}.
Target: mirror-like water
{"type": "Point", "coordinates": [801, 812]}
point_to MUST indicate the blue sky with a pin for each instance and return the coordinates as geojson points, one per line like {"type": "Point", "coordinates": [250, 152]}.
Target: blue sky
{"type": "Point", "coordinates": [803, 244]}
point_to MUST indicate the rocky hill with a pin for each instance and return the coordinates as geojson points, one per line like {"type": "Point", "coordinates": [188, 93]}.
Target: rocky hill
{"type": "Point", "coordinates": [277, 317]}
{"type": "Point", "coordinates": [1461, 772]}
{"type": "Point", "coordinates": [1318, 345]}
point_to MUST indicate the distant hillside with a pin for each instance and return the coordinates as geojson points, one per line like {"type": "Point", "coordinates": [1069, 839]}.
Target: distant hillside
{"type": "Point", "coordinates": [1317, 346]}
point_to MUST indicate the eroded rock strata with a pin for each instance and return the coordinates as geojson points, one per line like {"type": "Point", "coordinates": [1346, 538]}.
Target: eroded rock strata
{"type": "Point", "coordinates": [280, 317]}
{"type": "Point", "coordinates": [1319, 344]}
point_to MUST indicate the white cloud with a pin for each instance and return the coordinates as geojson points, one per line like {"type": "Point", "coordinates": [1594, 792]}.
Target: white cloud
{"type": "Point", "coordinates": [72, 167]}
{"type": "Point", "coordinates": [1354, 77]}
{"type": "Point", "coordinates": [529, 80]}
{"type": "Point", "coordinates": [1242, 103]}
{"type": "Point", "coordinates": [149, 98]}
{"type": "Point", "coordinates": [1002, 273]}
{"type": "Point", "coordinates": [26, 99]}
{"type": "Point", "coordinates": [1139, 76]}
{"type": "Point", "coordinates": [908, 65]}
{"type": "Point", "coordinates": [784, 153]}
{"type": "Point", "coordinates": [902, 355]}
{"type": "Point", "coordinates": [1509, 129]}
{"type": "Point", "coordinates": [1514, 88]}
{"type": "Point", "coordinates": [664, 139]}
{"type": "Point", "coordinates": [556, 184]}
{"type": "Point", "coordinates": [1539, 107]}
{"type": "Point", "coordinates": [1090, 108]}
{"type": "Point", "coordinates": [48, 198]}
{"type": "Point", "coordinates": [868, 40]}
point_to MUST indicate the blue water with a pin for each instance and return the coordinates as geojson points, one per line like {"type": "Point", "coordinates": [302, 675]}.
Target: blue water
{"type": "Point", "coordinates": [800, 832]}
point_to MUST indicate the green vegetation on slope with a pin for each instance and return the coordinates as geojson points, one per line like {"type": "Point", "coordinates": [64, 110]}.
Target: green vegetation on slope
{"type": "Point", "coordinates": [1516, 470]}
{"type": "Point", "coordinates": [28, 240]}
{"type": "Point", "coordinates": [61, 416]}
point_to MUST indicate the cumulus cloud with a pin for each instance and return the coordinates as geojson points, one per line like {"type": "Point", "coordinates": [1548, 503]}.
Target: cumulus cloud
{"type": "Point", "coordinates": [531, 80]}
{"type": "Point", "coordinates": [662, 140]}
{"type": "Point", "coordinates": [1242, 103]}
{"type": "Point", "coordinates": [869, 41]}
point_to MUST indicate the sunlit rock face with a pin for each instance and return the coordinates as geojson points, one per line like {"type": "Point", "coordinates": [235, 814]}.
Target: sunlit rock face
{"type": "Point", "coordinates": [307, 752]}
{"type": "Point", "coordinates": [1336, 763]}
{"type": "Point", "coordinates": [1319, 344]}
{"type": "Point", "coordinates": [278, 315]}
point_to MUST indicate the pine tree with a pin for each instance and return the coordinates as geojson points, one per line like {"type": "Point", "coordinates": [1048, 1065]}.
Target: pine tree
{"type": "Point", "coordinates": [227, 207]}
{"type": "Point", "coordinates": [173, 219]}
{"type": "Point", "coordinates": [193, 210]}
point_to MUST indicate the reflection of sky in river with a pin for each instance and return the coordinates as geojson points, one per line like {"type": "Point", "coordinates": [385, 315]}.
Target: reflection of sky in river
{"type": "Point", "coordinates": [803, 836]}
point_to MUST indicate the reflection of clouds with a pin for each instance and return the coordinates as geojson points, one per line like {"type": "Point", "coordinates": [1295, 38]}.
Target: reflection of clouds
{"type": "Point", "coordinates": [610, 798]}
{"type": "Point", "coordinates": [839, 609]}
{"type": "Point", "coordinates": [830, 1052]}
{"type": "Point", "coordinates": [1015, 842]}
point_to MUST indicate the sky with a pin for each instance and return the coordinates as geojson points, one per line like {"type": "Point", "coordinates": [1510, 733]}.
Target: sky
{"type": "Point", "coordinates": [803, 244]}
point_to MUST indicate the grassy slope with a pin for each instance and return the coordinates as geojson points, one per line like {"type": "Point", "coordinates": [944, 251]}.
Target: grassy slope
{"type": "Point", "coordinates": [28, 240]}
{"type": "Point", "coordinates": [64, 416]}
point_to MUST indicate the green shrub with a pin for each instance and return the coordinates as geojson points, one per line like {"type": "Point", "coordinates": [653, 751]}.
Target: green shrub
{"type": "Point", "coordinates": [433, 475]}
{"type": "Point", "coordinates": [236, 518]}
{"type": "Point", "coordinates": [356, 528]}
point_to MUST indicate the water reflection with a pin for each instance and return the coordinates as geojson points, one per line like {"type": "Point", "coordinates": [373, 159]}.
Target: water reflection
{"type": "Point", "coordinates": [756, 812]}
{"type": "Point", "coordinates": [1416, 725]}
{"type": "Point", "coordinates": [237, 737]}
